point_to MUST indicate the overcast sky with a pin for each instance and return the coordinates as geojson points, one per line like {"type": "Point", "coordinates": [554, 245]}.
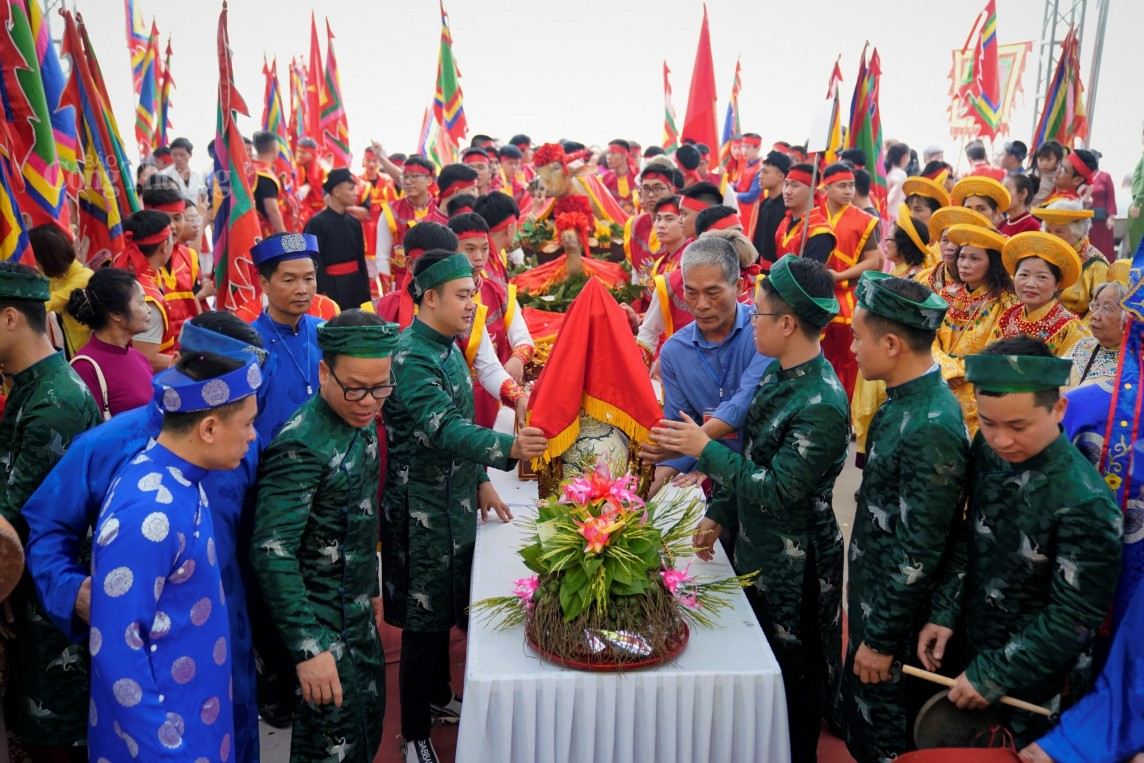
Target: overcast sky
{"type": "Point", "coordinates": [591, 69]}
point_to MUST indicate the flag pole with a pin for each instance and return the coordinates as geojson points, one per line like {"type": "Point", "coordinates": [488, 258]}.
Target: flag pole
{"type": "Point", "coordinates": [806, 216]}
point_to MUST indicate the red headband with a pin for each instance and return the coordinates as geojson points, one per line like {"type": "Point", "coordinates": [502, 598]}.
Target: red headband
{"type": "Point", "coordinates": [695, 205]}
{"type": "Point", "coordinates": [412, 254]}
{"type": "Point", "coordinates": [749, 140]}
{"type": "Point", "coordinates": [503, 224]}
{"type": "Point", "coordinates": [416, 169]}
{"type": "Point", "coordinates": [838, 177]}
{"type": "Point", "coordinates": [649, 174]}
{"type": "Point", "coordinates": [472, 234]}
{"type": "Point", "coordinates": [155, 238]}
{"type": "Point", "coordinates": [474, 158]}
{"type": "Point", "coordinates": [457, 185]}
{"type": "Point", "coordinates": [171, 208]}
{"type": "Point", "coordinates": [799, 176]}
{"type": "Point", "coordinates": [1081, 168]}
{"type": "Point", "coordinates": [618, 149]}
{"type": "Point", "coordinates": [670, 209]}
{"type": "Point", "coordinates": [726, 222]}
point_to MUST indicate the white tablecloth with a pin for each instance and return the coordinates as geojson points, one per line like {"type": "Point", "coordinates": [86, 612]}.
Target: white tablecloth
{"type": "Point", "coordinates": [721, 700]}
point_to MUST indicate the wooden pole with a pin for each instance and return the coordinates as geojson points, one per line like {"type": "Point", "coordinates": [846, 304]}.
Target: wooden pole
{"type": "Point", "coordinates": [910, 670]}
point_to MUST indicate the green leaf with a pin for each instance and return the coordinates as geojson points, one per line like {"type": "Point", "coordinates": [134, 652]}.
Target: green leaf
{"type": "Point", "coordinates": [573, 593]}
{"type": "Point", "coordinates": [531, 557]}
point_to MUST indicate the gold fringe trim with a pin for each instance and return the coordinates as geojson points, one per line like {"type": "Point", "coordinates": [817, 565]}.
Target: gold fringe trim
{"type": "Point", "coordinates": [597, 409]}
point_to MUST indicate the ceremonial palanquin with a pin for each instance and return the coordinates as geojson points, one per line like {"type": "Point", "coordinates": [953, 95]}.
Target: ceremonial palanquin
{"type": "Point", "coordinates": [607, 593]}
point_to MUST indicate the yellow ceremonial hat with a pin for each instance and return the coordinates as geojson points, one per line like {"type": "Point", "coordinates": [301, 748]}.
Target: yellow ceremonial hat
{"type": "Point", "coordinates": [980, 186]}
{"type": "Point", "coordinates": [976, 235]}
{"type": "Point", "coordinates": [923, 186]}
{"type": "Point", "coordinates": [1046, 246]}
{"type": "Point", "coordinates": [1060, 216]}
{"type": "Point", "coordinates": [949, 216]}
{"type": "Point", "coordinates": [906, 223]}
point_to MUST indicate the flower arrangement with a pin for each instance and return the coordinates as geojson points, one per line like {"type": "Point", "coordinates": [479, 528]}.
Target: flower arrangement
{"type": "Point", "coordinates": [607, 590]}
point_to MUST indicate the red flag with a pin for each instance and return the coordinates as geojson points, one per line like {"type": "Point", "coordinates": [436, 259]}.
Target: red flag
{"type": "Point", "coordinates": [236, 225]}
{"type": "Point", "coordinates": [313, 114]}
{"type": "Point", "coordinates": [699, 124]}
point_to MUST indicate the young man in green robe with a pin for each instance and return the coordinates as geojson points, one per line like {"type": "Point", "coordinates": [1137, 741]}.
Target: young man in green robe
{"type": "Point", "coordinates": [49, 405]}
{"type": "Point", "coordinates": [1035, 571]}
{"type": "Point", "coordinates": [433, 488]}
{"type": "Point", "coordinates": [778, 492]}
{"type": "Point", "coordinates": [314, 546]}
{"type": "Point", "coordinates": [908, 506]}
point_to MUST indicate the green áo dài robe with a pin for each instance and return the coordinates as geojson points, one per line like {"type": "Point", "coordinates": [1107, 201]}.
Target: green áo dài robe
{"type": "Point", "coordinates": [908, 511]}
{"type": "Point", "coordinates": [1033, 575]}
{"type": "Point", "coordinates": [778, 493]}
{"type": "Point", "coordinates": [314, 552]}
{"type": "Point", "coordinates": [435, 452]}
{"type": "Point", "coordinates": [48, 677]}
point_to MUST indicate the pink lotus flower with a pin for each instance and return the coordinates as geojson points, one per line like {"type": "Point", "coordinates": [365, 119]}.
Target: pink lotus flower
{"type": "Point", "coordinates": [681, 585]}
{"type": "Point", "coordinates": [526, 588]}
{"type": "Point", "coordinates": [601, 485]}
{"type": "Point", "coordinates": [597, 531]}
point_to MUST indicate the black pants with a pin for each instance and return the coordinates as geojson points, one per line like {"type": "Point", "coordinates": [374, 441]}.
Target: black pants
{"type": "Point", "coordinates": [803, 667]}
{"type": "Point", "coordinates": [423, 679]}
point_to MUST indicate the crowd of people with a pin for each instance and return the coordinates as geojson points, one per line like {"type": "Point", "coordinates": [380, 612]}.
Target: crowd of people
{"type": "Point", "coordinates": [201, 493]}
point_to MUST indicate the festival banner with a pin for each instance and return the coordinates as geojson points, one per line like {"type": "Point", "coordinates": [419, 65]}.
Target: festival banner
{"type": "Point", "coordinates": [335, 126]}
{"type": "Point", "coordinates": [700, 118]}
{"type": "Point", "coordinates": [236, 227]}
{"type": "Point", "coordinates": [1011, 60]}
{"type": "Point", "coordinates": [670, 132]}
{"type": "Point", "coordinates": [865, 129]}
{"type": "Point", "coordinates": [834, 142]}
{"type": "Point", "coordinates": [13, 230]}
{"type": "Point", "coordinates": [448, 100]}
{"type": "Point", "coordinates": [1063, 114]}
{"type": "Point", "coordinates": [166, 88]}
{"type": "Point", "coordinates": [312, 125]}
{"type": "Point", "coordinates": [731, 126]}
{"type": "Point", "coordinates": [296, 126]}
{"type": "Point", "coordinates": [147, 101]}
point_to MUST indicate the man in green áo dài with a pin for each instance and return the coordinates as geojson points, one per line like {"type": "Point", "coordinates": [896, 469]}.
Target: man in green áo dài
{"type": "Point", "coordinates": [434, 486]}
{"type": "Point", "coordinates": [1036, 568]}
{"type": "Point", "coordinates": [48, 407]}
{"type": "Point", "coordinates": [907, 513]}
{"type": "Point", "coordinates": [314, 547]}
{"type": "Point", "coordinates": [779, 491]}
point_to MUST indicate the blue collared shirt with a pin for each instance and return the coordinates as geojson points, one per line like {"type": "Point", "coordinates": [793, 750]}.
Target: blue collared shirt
{"type": "Point", "coordinates": [291, 372]}
{"type": "Point", "coordinates": [694, 370]}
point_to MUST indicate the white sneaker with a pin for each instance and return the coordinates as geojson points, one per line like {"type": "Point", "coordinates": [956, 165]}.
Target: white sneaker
{"type": "Point", "coordinates": [448, 714]}
{"type": "Point", "coordinates": [420, 751]}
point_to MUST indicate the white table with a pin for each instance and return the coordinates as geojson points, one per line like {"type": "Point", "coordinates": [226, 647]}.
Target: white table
{"type": "Point", "coordinates": [720, 700]}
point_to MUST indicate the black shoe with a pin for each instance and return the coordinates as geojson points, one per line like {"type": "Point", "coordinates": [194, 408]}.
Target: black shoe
{"type": "Point", "coordinates": [448, 714]}
{"type": "Point", "coordinates": [419, 751]}
{"type": "Point", "coordinates": [276, 716]}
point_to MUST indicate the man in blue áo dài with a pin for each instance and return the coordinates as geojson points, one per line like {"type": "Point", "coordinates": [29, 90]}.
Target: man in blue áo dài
{"type": "Point", "coordinates": [67, 503]}
{"type": "Point", "coordinates": [160, 637]}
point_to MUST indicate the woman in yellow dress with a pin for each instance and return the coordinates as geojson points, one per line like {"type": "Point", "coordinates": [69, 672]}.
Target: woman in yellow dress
{"type": "Point", "coordinates": [906, 248]}
{"type": "Point", "coordinates": [941, 274]}
{"type": "Point", "coordinates": [975, 304]}
{"type": "Point", "coordinates": [1069, 221]}
{"type": "Point", "coordinates": [1042, 266]}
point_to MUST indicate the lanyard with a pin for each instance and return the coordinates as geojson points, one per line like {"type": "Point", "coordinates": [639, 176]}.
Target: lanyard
{"type": "Point", "coordinates": [304, 374]}
{"type": "Point", "coordinates": [721, 383]}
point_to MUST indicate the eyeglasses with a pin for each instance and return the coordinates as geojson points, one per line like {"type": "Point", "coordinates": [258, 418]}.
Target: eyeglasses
{"type": "Point", "coordinates": [651, 190]}
{"type": "Point", "coordinates": [354, 394]}
{"type": "Point", "coordinates": [755, 314]}
{"type": "Point", "coordinates": [1106, 309]}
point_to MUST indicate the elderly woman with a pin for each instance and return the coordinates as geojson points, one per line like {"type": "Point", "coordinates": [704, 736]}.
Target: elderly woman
{"type": "Point", "coordinates": [1070, 221]}
{"type": "Point", "coordinates": [1094, 358]}
{"type": "Point", "coordinates": [1042, 266]}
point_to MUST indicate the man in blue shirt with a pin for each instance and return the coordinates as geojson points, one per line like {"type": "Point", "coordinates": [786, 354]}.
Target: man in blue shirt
{"type": "Point", "coordinates": [288, 276]}
{"type": "Point", "coordinates": [710, 368]}
{"type": "Point", "coordinates": [66, 505]}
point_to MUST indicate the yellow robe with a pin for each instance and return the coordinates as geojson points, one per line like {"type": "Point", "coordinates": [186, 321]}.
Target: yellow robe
{"type": "Point", "coordinates": [76, 277]}
{"type": "Point", "coordinates": [1093, 272]}
{"type": "Point", "coordinates": [1052, 323]}
{"type": "Point", "coordinates": [967, 329]}
{"type": "Point", "coordinates": [869, 395]}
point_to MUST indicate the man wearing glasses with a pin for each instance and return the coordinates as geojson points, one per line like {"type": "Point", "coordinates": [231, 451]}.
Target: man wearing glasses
{"type": "Point", "coordinates": [641, 245]}
{"type": "Point", "coordinates": [417, 205]}
{"type": "Point", "coordinates": [313, 548]}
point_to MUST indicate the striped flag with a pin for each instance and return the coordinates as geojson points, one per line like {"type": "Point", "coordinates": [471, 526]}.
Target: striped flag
{"type": "Point", "coordinates": [865, 129]}
{"type": "Point", "coordinates": [1063, 116]}
{"type": "Point", "coordinates": [32, 118]}
{"type": "Point", "coordinates": [148, 92]}
{"type": "Point", "coordinates": [978, 94]}
{"type": "Point", "coordinates": [731, 126]}
{"type": "Point", "coordinates": [274, 121]}
{"type": "Point", "coordinates": [834, 144]}
{"type": "Point", "coordinates": [101, 207]}
{"type": "Point", "coordinates": [335, 126]}
{"type": "Point", "coordinates": [296, 126]}
{"type": "Point", "coordinates": [137, 40]}
{"type": "Point", "coordinates": [13, 230]}
{"type": "Point", "coordinates": [236, 227]}
{"type": "Point", "coordinates": [448, 101]}
{"type": "Point", "coordinates": [166, 88]}
{"type": "Point", "coordinates": [63, 116]}
{"type": "Point", "coordinates": [670, 131]}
